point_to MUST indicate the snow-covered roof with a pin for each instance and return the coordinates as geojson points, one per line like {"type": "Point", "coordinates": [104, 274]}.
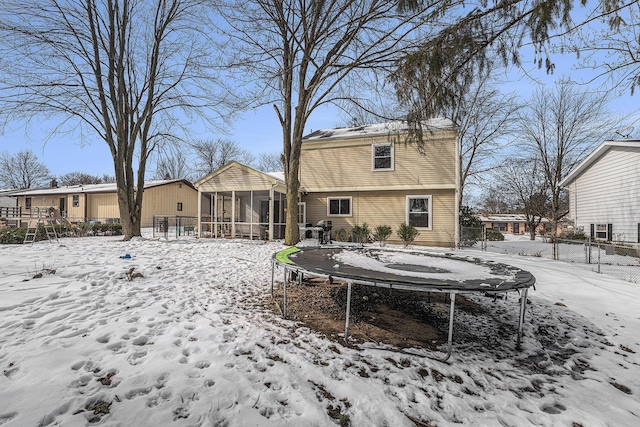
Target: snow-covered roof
{"type": "Point", "coordinates": [377, 129]}
{"type": "Point", "coordinates": [89, 188]}
{"type": "Point", "coordinates": [277, 175]}
{"type": "Point", "coordinates": [595, 155]}
{"type": "Point", "coordinates": [505, 218]}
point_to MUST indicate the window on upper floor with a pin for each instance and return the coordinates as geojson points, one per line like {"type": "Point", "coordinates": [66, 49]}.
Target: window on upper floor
{"type": "Point", "coordinates": [179, 206]}
{"type": "Point", "coordinates": [339, 206]}
{"type": "Point", "coordinates": [419, 211]}
{"type": "Point", "coordinates": [382, 157]}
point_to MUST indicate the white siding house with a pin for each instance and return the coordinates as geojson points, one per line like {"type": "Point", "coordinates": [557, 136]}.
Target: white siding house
{"type": "Point", "coordinates": [604, 192]}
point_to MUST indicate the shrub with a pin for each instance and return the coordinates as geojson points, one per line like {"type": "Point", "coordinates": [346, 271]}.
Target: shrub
{"type": "Point", "coordinates": [15, 236]}
{"type": "Point", "coordinates": [494, 235]}
{"type": "Point", "coordinates": [382, 233]}
{"type": "Point", "coordinates": [575, 236]}
{"type": "Point", "coordinates": [407, 233]}
{"type": "Point", "coordinates": [361, 234]}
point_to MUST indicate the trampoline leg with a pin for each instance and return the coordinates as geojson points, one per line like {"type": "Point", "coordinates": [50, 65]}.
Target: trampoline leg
{"type": "Point", "coordinates": [452, 308]}
{"type": "Point", "coordinates": [284, 308]}
{"type": "Point", "coordinates": [273, 273]}
{"type": "Point", "coordinates": [346, 323]}
{"type": "Point", "coordinates": [523, 305]}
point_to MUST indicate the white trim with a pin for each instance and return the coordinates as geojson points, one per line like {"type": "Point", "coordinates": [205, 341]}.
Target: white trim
{"type": "Point", "coordinates": [426, 187]}
{"type": "Point", "coordinates": [302, 205]}
{"type": "Point", "coordinates": [429, 209]}
{"type": "Point", "coordinates": [340, 198]}
{"type": "Point", "coordinates": [373, 156]}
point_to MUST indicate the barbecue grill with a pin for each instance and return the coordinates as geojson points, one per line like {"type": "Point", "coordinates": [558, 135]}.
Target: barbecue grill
{"type": "Point", "coordinates": [324, 236]}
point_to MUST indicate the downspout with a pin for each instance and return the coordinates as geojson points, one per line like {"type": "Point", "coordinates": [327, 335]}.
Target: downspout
{"type": "Point", "coordinates": [271, 196]}
{"type": "Point", "coordinates": [457, 192]}
{"type": "Point", "coordinates": [199, 212]}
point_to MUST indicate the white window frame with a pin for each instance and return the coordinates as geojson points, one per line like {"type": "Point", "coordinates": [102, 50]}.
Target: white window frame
{"type": "Point", "coordinates": [329, 199]}
{"type": "Point", "coordinates": [302, 209]}
{"type": "Point", "coordinates": [373, 156]}
{"type": "Point", "coordinates": [429, 207]}
{"type": "Point", "coordinates": [602, 232]}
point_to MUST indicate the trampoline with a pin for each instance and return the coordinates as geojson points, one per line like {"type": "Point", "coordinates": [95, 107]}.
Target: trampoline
{"type": "Point", "coordinates": [406, 270]}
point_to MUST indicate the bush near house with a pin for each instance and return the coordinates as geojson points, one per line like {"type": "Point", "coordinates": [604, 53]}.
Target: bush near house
{"type": "Point", "coordinates": [494, 235]}
{"type": "Point", "coordinates": [361, 234]}
{"type": "Point", "coordinates": [11, 236]}
{"type": "Point", "coordinates": [407, 233]}
{"type": "Point", "coordinates": [382, 233]}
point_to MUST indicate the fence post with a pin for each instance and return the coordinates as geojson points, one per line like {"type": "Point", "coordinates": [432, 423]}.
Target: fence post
{"type": "Point", "coordinates": [598, 258]}
{"type": "Point", "coordinates": [484, 237]}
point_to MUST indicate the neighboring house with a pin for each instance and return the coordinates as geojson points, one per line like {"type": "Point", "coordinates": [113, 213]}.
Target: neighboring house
{"type": "Point", "coordinates": [5, 200]}
{"type": "Point", "coordinates": [603, 192]}
{"type": "Point", "coordinates": [372, 174]}
{"type": "Point", "coordinates": [512, 223]}
{"type": "Point", "coordinates": [98, 202]}
{"type": "Point", "coordinates": [244, 202]}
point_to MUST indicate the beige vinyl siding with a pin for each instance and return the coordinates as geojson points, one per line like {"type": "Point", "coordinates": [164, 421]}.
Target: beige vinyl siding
{"type": "Point", "coordinates": [101, 206]}
{"type": "Point", "coordinates": [163, 200]}
{"type": "Point", "coordinates": [346, 165]}
{"type": "Point", "coordinates": [76, 214]}
{"type": "Point", "coordinates": [388, 208]}
{"type": "Point", "coordinates": [235, 179]}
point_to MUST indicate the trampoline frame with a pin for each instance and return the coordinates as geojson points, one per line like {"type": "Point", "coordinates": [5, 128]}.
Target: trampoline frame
{"type": "Point", "coordinates": [282, 258]}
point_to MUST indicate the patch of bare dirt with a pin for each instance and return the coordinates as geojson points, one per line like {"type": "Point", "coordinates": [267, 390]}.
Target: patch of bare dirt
{"type": "Point", "coordinates": [387, 316]}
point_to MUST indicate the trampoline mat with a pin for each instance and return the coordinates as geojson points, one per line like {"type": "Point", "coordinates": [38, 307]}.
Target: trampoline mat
{"type": "Point", "coordinates": [408, 270]}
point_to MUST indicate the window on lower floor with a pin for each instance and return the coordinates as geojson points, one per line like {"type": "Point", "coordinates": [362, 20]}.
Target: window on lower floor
{"type": "Point", "coordinates": [27, 202]}
{"type": "Point", "coordinates": [500, 226]}
{"type": "Point", "coordinates": [419, 211]}
{"type": "Point", "coordinates": [76, 201]}
{"type": "Point", "coordinates": [603, 231]}
{"type": "Point", "coordinates": [339, 206]}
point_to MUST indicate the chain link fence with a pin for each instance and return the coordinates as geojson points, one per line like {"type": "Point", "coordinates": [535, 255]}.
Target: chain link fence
{"type": "Point", "coordinates": [174, 226]}
{"type": "Point", "coordinates": [622, 261]}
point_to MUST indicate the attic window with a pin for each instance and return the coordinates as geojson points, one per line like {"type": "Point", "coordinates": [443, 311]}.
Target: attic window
{"type": "Point", "coordinates": [382, 157]}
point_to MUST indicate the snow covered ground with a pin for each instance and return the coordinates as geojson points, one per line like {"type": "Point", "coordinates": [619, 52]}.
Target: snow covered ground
{"type": "Point", "coordinates": [195, 342]}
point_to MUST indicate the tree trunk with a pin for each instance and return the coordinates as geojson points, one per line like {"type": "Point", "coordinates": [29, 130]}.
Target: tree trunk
{"type": "Point", "coordinates": [292, 231]}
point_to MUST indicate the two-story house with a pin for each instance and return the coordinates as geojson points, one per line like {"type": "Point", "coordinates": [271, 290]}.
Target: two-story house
{"type": "Point", "coordinates": [350, 176]}
{"type": "Point", "coordinates": [372, 174]}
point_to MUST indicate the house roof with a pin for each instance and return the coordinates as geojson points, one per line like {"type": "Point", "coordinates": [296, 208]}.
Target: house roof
{"type": "Point", "coordinates": [376, 129]}
{"type": "Point", "coordinates": [600, 151]}
{"type": "Point", "coordinates": [505, 218]}
{"type": "Point", "coordinates": [89, 188]}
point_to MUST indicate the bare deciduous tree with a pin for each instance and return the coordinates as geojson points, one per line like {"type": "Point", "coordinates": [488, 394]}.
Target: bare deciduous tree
{"type": "Point", "coordinates": [118, 69]}
{"type": "Point", "coordinates": [270, 162]}
{"type": "Point", "coordinates": [523, 183]}
{"type": "Point", "coordinates": [484, 116]}
{"type": "Point", "coordinates": [80, 178]}
{"type": "Point", "coordinates": [22, 170]}
{"type": "Point", "coordinates": [302, 55]}
{"type": "Point", "coordinates": [173, 164]}
{"type": "Point", "coordinates": [213, 154]}
{"type": "Point", "coordinates": [560, 127]}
